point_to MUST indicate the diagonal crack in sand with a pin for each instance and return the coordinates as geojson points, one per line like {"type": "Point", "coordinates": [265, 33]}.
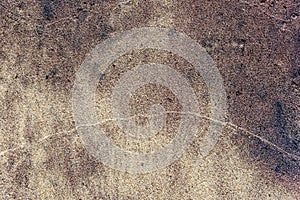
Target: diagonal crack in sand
{"type": "Point", "coordinates": [230, 125]}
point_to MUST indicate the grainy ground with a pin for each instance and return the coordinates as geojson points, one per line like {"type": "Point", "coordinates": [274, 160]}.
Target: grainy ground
{"type": "Point", "coordinates": [255, 45]}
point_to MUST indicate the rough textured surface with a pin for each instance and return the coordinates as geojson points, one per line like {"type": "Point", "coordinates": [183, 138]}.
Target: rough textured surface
{"type": "Point", "coordinates": [255, 45]}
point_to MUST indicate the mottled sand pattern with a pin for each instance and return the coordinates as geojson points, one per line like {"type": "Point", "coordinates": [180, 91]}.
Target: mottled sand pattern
{"type": "Point", "coordinates": [255, 45]}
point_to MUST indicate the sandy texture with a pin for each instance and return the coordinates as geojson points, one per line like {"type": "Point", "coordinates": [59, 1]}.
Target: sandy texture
{"type": "Point", "coordinates": [255, 45]}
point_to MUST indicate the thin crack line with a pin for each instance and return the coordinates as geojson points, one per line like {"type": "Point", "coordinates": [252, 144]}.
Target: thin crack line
{"type": "Point", "coordinates": [235, 127]}
{"type": "Point", "coordinates": [23, 146]}
{"type": "Point", "coordinates": [231, 126]}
